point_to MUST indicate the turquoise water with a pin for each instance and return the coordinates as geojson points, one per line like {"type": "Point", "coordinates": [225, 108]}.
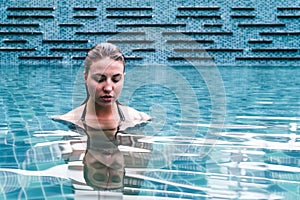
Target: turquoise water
{"type": "Point", "coordinates": [217, 133]}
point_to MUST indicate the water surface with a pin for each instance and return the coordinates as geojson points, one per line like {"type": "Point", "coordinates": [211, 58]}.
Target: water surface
{"type": "Point", "coordinates": [225, 133]}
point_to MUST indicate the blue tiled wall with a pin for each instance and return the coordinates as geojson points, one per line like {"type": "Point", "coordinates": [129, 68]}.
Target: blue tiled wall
{"type": "Point", "coordinates": [222, 32]}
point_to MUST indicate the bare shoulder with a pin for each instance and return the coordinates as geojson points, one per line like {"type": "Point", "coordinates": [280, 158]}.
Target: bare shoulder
{"type": "Point", "coordinates": [72, 116]}
{"type": "Point", "coordinates": [134, 116]}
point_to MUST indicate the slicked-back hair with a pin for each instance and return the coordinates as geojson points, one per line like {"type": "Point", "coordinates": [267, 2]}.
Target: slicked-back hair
{"type": "Point", "coordinates": [103, 50]}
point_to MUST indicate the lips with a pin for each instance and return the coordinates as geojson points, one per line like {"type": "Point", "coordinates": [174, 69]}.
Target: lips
{"type": "Point", "coordinates": [107, 98]}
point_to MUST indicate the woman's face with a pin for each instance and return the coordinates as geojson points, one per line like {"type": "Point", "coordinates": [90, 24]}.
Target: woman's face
{"type": "Point", "coordinates": [105, 81]}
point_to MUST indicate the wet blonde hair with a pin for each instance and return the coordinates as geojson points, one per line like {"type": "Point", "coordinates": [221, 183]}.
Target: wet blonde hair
{"type": "Point", "coordinates": [100, 51]}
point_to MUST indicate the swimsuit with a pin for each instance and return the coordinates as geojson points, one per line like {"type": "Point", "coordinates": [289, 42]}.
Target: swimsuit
{"type": "Point", "coordinates": [101, 146]}
{"type": "Point", "coordinates": [86, 127]}
{"type": "Point", "coordinates": [122, 117]}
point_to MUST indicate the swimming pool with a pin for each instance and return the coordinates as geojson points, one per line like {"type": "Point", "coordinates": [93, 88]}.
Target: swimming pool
{"type": "Point", "coordinates": [217, 133]}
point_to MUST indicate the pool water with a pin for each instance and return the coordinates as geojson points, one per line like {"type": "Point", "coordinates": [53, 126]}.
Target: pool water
{"type": "Point", "coordinates": [216, 133]}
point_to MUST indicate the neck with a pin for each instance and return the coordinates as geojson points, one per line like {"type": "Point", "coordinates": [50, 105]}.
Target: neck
{"type": "Point", "coordinates": [102, 112]}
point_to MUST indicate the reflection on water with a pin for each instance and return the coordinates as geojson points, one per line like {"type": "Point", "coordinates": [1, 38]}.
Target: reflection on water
{"type": "Point", "coordinates": [253, 155]}
{"type": "Point", "coordinates": [247, 167]}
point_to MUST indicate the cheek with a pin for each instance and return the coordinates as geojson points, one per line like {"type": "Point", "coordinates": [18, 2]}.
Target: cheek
{"type": "Point", "coordinates": [92, 88]}
{"type": "Point", "coordinates": [119, 88]}
{"type": "Point", "coordinates": [121, 84]}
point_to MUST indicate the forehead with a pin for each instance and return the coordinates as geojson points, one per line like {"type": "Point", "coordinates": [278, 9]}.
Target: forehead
{"type": "Point", "coordinates": [107, 66]}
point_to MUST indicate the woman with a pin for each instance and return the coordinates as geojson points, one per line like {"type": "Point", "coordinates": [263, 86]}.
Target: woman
{"type": "Point", "coordinates": [104, 79]}
{"type": "Point", "coordinates": [101, 116]}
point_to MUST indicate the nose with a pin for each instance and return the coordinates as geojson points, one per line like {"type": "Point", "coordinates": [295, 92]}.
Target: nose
{"type": "Point", "coordinates": [108, 86]}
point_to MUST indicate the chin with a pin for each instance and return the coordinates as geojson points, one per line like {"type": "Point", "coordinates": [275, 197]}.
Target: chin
{"type": "Point", "coordinates": [106, 103]}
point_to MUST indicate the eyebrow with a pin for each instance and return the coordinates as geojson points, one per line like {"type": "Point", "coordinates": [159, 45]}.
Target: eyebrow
{"type": "Point", "coordinates": [117, 75]}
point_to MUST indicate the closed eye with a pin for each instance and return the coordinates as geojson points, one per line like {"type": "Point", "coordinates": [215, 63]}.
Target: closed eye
{"type": "Point", "coordinates": [99, 78]}
{"type": "Point", "coordinates": [116, 78]}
